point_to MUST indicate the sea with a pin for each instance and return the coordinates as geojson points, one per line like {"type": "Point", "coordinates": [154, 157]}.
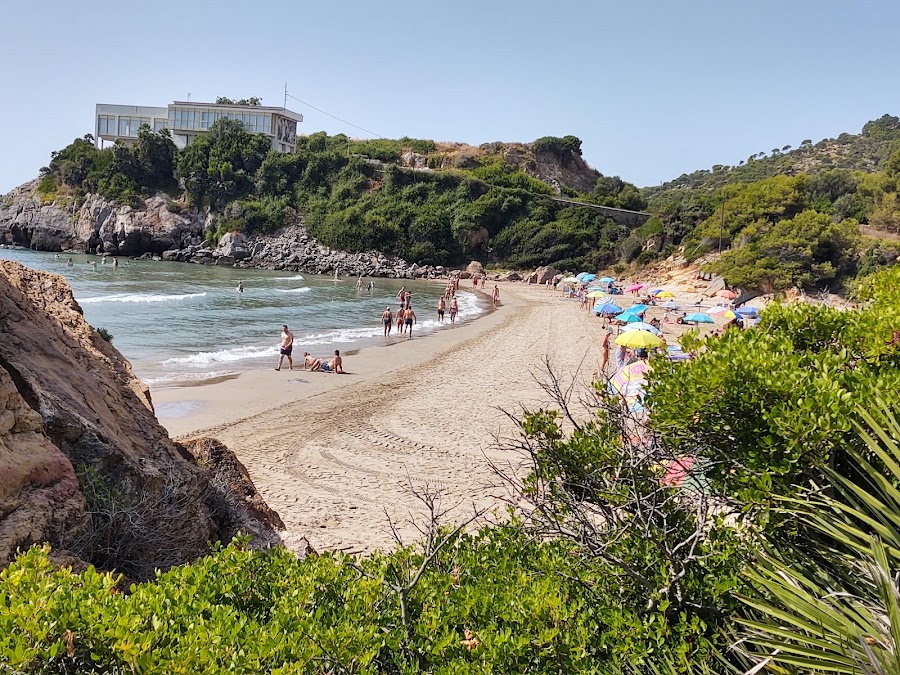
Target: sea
{"type": "Point", "coordinates": [183, 323]}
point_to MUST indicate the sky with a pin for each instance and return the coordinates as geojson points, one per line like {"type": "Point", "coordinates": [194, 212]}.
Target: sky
{"type": "Point", "coordinates": [654, 88]}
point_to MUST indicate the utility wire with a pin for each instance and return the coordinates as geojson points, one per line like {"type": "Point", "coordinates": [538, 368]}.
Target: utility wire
{"type": "Point", "coordinates": [355, 126]}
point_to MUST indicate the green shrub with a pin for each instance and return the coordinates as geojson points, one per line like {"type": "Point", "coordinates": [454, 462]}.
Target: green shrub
{"type": "Point", "coordinates": [105, 334]}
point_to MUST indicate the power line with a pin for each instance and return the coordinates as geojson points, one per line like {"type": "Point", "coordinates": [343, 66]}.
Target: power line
{"type": "Point", "coordinates": [310, 105]}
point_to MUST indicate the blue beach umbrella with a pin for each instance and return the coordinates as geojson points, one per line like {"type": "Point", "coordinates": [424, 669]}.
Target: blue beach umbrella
{"type": "Point", "coordinates": [581, 275]}
{"type": "Point", "coordinates": [657, 291]}
{"type": "Point", "coordinates": [640, 325]}
{"type": "Point", "coordinates": [637, 309]}
{"type": "Point", "coordinates": [608, 308]}
{"type": "Point", "coordinates": [605, 280]}
{"type": "Point", "coordinates": [588, 277]}
{"type": "Point", "coordinates": [630, 317]}
{"type": "Point", "coordinates": [749, 312]}
{"type": "Point", "coordinates": [699, 317]}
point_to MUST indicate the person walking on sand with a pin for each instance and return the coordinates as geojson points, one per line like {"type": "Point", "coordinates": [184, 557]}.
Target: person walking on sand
{"type": "Point", "coordinates": [287, 345]}
{"type": "Point", "coordinates": [441, 307]}
{"type": "Point", "coordinates": [400, 313]}
{"type": "Point", "coordinates": [409, 318]}
{"type": "Point", "coordinates": [388, 320]}
{"type": "Point", "coordinates": [495, 296]}
{"type": "Point", "coordinates": [454, 308]}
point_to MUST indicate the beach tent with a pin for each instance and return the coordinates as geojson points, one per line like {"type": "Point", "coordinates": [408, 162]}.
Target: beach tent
{"type": "Point", "coordinates": [608, 308]}
{"type": "Point", "coordinates": [747, 312]}
{"type": "Point", "coordinates": [699, 317]}
{"type": "Point", "coordinates": [640, 325]}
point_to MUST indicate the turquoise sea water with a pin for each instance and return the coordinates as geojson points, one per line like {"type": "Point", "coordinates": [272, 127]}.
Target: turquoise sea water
{"type": "Point", "coordinates": [181, 322]}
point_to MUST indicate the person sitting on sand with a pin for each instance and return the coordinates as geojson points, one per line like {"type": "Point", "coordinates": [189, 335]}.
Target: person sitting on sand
{"type": "Point", "coordinates": [310, 362]}
{"type": "Point", "coordinates": [387, 318]}
{"type": "Point", "coordinates": [287, 345]}
{"type": "Point", "coordinates": [454, 308]}
{"type": "Point", "coordinates": [336, 365]}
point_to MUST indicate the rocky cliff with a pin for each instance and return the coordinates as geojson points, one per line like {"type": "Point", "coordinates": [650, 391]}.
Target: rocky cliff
{"type": "Point", "coordinates": [83, 462]}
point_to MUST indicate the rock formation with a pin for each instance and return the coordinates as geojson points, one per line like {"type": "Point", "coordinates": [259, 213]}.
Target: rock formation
{"type": "Point", "coordinates": [72, 406]}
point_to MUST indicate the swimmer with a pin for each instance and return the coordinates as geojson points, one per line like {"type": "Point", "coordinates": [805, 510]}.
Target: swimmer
{"type": "Point", "coordinates": [240, 287]}
{"type": "Point", "coordinates": [388, 320]}
{"type": "Point", "coordinates": [287, 345]}
{"type": "Point", "coordinates": [359, 283]}
{"type": "Point", "coordinates": [70, 263]}
{"type": "Point", "coordinates": [115, 262]}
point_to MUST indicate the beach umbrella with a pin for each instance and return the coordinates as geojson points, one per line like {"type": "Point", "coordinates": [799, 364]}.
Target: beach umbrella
{"type": "Point", "coordinates": [725, 293]}
{"type": "Point", "coordinates": [637, 309]}
{"type": "Point", "coordinates": [729, 315]}
{"type": "Point", "coordinates": [749, 312]}
{"type": "Point", "coordinates": [608, 308]}
{"type": "Point", "coordinates": [605, 280]}
{"type": "Point", "coordinates": [570, 280]}
{"type": "Point", "coordinates": [629, 382]}
{"type": "Point", "coordinates": [634, 287]}
{"type": "Point", "coordinates": [638, 339]}
{"type": "Point", "coordinates": [670, 305]}
{"type": "Point", "coordinates": [716, 311]}
{"type": "Point", "coordinates": [657, 291]}
{"type": "Point", "coordinates": [629, 317]}
{"type": "Point", "coordinates": [640, 325]}
{"type": "Point", "coordinates": [581, 275]}
{"type": "Point", "coordinates": [699, 317]}
{"type": "Point", "coordinates": [588, 277]}
{"type": "Point", "coordinates": [596, 294]}
{"type": "Point", "coordinates": [665, 294]}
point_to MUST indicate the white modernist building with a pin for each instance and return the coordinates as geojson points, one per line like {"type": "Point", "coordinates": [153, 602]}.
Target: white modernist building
{"type": "Point", "coordinates": [187, 120]}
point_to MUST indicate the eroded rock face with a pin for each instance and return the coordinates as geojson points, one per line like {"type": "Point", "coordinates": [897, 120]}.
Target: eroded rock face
{"type": "Point", "coordinates": [145, 496]}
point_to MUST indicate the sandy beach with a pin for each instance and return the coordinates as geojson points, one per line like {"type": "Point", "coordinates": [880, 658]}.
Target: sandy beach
{"type": "Point", "coordinates": [333, 454]}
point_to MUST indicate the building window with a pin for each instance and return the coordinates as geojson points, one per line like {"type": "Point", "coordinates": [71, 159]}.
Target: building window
{"type": "Point", "coordinates": [106, 125]}
{"type": "Point", "coordinates": [159, 124]}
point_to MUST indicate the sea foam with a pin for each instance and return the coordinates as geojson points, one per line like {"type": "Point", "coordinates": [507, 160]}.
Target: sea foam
{"type": "Point", "coordinates": [303, 289]}
{"type": "Point", "coordinates": [139, 297]}
{"type": "Point", "coordinates": [222, 356]}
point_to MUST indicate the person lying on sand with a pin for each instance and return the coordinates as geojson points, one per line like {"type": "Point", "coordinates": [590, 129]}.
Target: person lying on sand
{"type": "Point", "coordinates": [335, 365]}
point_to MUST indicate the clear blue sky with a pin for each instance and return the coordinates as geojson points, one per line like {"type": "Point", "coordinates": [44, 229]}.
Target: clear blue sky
{"type": "Point", "coordinates": [654, 88]}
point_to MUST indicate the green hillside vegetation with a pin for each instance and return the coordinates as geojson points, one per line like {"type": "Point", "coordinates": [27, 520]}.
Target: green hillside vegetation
{"type": "Point", "coordinates": [355, 196]}
{"type": "Point", "coordinates": [615, 571]}
{"type": "Point", "coordinates": [780, 228]}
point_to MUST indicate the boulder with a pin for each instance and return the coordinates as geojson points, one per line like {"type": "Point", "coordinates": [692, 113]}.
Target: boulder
{"type": "Point", "coordinates": [475, 268]}
{"type": "Point", "coordinates": [510, 276]}
{"type": "Point", "coordinates": [234, 245]}
{"type": "Point", "coordinates": [225, 261]}
{"type": "Point", "coordinates": [544, 274]}
{"type": "Point", "coordinates": [84, 407]}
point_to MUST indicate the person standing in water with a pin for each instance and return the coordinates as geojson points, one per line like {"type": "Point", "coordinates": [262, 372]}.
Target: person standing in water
{"type": "Point", "coordinates": [240, 287]}
{"type": "Point", "coordinates": [287, 345]}
{"type": "Point", "coordinates": [388, 320]}
{"type": "Point", "coordinates": [115, 262]}
{"type": "Point", "coordinates": [70, 263]}
{"type": "Point", "coordinates": [359, 283]}
{"type": "Point", "coordinates": [409, 318]}
{"type": "Point", "coordinates": [441, 306]}
{"type": "Point", "coordinates": [454, 308]}
{"type": "Point", "coordinates": [495, 296]}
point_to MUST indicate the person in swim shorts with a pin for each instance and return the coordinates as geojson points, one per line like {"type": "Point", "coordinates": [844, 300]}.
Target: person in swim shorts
{"type": "Point", "coordinates": [454, 308]}
{"type": "Point", "coordinates": [409, 318]}
{"type": "Point", "coordinates": [287, 346]}
{"type": "Point", "coordinates": [388, 320]}
{"type": "Point", "coordinates": [441, 306]}
{"type": "Point", "coordinates": [336, 365]}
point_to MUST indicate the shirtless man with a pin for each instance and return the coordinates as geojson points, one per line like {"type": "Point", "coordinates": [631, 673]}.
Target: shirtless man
{"type": "Point", "coordinates": [441, 307]}
{"type": "Point", "coordinates": [454, 308]}
{"type": "Point", "coordinates": [409, 318]}
{"type": "Point", "coordinates": [336, 365]}
{"type": "Point", "coordinates": [287, 344]}
{"type": "Point", "coordinates": [495, 296]}
{"type": "Point", "coordinates": [387, 318]}
{"type": "Point", "coordinates": [400, 318]}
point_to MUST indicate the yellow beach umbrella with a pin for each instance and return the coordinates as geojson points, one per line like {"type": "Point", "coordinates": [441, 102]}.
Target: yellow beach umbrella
{"type": "Point", "coordinates": [729, 315]}
{"type": "Point", "coordinates": [636, 339]}
{"type": "Point", "coordinates": [665, 294]}
{"type": "Point", "coordinates": [596, 294]}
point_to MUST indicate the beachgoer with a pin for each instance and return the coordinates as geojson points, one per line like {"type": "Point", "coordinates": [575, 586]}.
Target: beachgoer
{"type": "Point", "coordinates": [621, 356]}
{"type": "Point", "coordinates": [401, 293]}
{"type": "Point", "coordinates": [359, 283]}
{"type": "Point", "coordinates": [495, 296]}
{"type": "Point", "coordinates": [372, 285]}
{"type": "Point", "coordinates": [604, 350]}
{"type": "Point", "coordinates": [287, 345]}
{"type": "Point", "coordinates": [474, 281]}
{"type": "Point", "coordinates": [400, 318]}
{"type": "Point", "coordinates": [310, 362]}
{"type": "Point", "coordinates": [70, 262]}
{"type": "Point", "coordinates": [454, 308]}
{"type": "Point", "coordinates": [103, 259]}
{"type": "Point", "coordinates": [441, 306]}
{"type": "Point", "coordinates": [57, 256]}
{"type": "Point", "coordinates": [409, 318]}
{"type": "Point", "coordinates": [337, 363]}
{"type": "Point", "coordinates": [240, 287]}
{"type": "Point", "coordinates": [388, 320]}
{"type": "Point", "coordinates": [115, 262]}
